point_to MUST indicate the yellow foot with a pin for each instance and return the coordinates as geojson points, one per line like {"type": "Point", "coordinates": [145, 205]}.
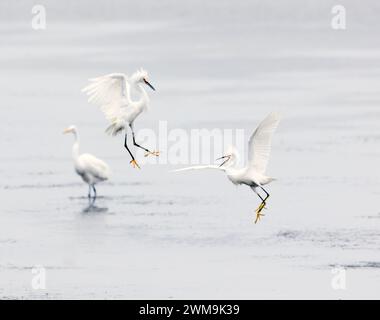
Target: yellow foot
{"type": "Point", "coordinates": [134, 164]}
{"type": "Point", "coordinates": [258, 211]}
{"type": "Point", "coordinates": [261, 207]}
{"type": "Point", "coordinates": [258, 216]}
{"type": "Point", "coordinates": [153, 153]}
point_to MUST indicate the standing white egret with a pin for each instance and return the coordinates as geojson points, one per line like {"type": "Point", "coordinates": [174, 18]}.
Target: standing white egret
{"type": "Point", "coordinates": [112, 93]}
{"type": "Point", "coordinates": [253, 174]}
{"type": "Point", "coordinates": [91, 169]}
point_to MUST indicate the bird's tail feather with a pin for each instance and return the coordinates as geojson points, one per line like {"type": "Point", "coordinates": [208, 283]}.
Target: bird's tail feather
{"type": "Point", "coordinates": [269, 180]}
{"type": "Point", "coordinates": [115, 128]}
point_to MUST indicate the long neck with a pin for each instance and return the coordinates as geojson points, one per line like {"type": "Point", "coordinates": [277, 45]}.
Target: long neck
{"type": "Point", "coordinates": [144, 99]}
{"type": "Point", "coordinates": [231, 170]}
{"type": "Point", "coordinates": [75, 149]}
{"type": "Point", "coordinates": [127, 92]}
{"type": "Point", "coordinates": [231, 163]}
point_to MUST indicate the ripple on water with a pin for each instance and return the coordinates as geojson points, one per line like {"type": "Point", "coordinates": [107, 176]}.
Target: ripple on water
{"type": "Point", "coordinates": [338, 238]}
{"type": "Point", "coordinates": [360, 265]}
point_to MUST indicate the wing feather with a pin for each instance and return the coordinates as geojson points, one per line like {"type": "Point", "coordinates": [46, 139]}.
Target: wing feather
{"type": "Point", "coordinates": [110, 92]}
{"type": "Point", "coordinates": [259, 144]}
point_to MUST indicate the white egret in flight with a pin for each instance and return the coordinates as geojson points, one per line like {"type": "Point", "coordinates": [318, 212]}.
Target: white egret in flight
{"type": "Point", "coordinates": [254, 173]}
{"type": "Point", "coordinates": [112, 93]}
{"type": "Point", "coordinates": [91, 169]}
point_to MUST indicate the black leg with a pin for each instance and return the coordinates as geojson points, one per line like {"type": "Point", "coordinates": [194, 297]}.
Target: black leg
{"type": "Point", "coordinates": [126, 146]}
{"type": "Point", "coordinates": [262, 205]}
{"type": "Point", "coordinates": [93, 188]}
{"type": "Point", "coordinates": [89, 191]}
{"type": "Point", "coordinates": [133, 161]}
{"type": "Point", "coordinates": [135, 143]}
{"type": "Point", "coordinates": [254, 190]}
{"type": "Point", "coordinates": [90, 203]}
{"type": "Point", "coordinates": [267, 194]}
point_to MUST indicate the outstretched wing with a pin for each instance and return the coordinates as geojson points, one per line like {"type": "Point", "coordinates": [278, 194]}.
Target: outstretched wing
{"type": "Point", "coordinates": [110, 92]}
{"type": "Point", "coordinates": [199, 168]}
{"type": "Point", "coordinates": [259, 145]}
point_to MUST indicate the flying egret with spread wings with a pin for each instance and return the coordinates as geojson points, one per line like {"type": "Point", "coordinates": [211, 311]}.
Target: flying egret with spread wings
{"type": "Point", "coordinates": [112, 93]}
{"type": "Point", "coordinates": [254, 173]}
{"type": "Point", "coordinates": [91, 169]}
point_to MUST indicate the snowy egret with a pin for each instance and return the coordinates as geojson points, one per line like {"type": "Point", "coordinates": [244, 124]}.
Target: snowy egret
{"type": "Point", "coordinates": [253, 174]}
{"type": "Point", "coordinates": [91, 169]}
{"type": "Point", "coordinates": [112, 92]}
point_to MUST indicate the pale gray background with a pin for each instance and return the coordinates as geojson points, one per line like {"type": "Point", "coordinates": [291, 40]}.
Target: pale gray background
{"type": "Point", "coordinates": [223, 64]}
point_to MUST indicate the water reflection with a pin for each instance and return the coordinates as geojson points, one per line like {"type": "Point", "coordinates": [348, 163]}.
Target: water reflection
{"type": "Point", "coordinates": [92, 208]}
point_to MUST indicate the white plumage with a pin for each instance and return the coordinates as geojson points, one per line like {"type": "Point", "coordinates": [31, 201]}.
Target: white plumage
{"type": "Point", "coordinates": [260, 143]}
{"type": "Point", "coordinates": [91, 169]}
{"type": "Point", "coordinates": [112, 93]}
{"type": "Point", "coordinates": [254, 173]}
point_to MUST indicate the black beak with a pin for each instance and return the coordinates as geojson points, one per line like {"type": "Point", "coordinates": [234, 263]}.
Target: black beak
{"type": "Point", "coordinates": [148, 84]}
{"type": "Point", "coordinates": [224, 157]}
